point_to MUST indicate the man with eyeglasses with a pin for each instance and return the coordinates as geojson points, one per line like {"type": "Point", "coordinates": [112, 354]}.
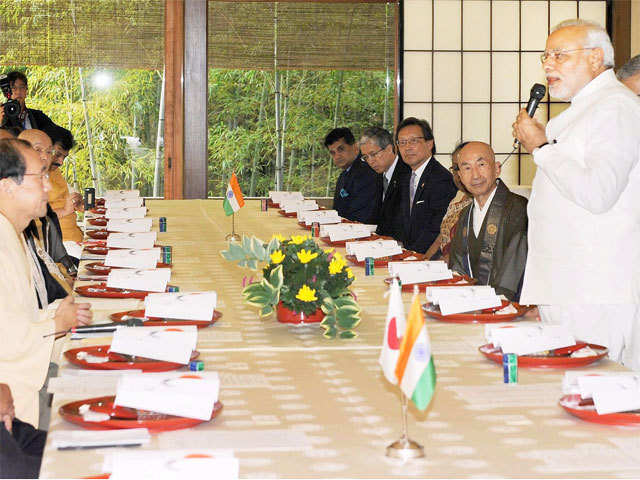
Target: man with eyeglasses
{"type": "Point", "coordinates": [583, 267]}
{"type": "Point", "coordinates": [427, 190]}
{"type": "Point", "coordinates": [24, 328]}
{"type": "Point", "coordinates": [29, 117]}
{"type": "Point", "coordinates": [378, 150]}
{"type": "Point", "coordinates": [490, 243]}
{"type": "Point", "coordinates": [355, 193]}
{"type": "Point", "coordinates": [629, 74]}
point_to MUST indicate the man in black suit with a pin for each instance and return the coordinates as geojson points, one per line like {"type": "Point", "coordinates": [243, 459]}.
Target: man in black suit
{"type": "Point", "coordinates": [427, 190]}
{"type": "Point", "coordinates": [378, 150]}
{"type": "Point", "coordinates": [29, 117]}
{"type": "Point", "coordinates": [355, 193]}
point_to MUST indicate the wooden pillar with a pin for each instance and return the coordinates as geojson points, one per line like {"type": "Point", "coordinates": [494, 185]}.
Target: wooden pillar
{"type": "Point", "coordinates": [195, 102]}
{"type": "Point", "coordinates": [620, 29]}
{"type": "Point", "coordinates": [174, 107]}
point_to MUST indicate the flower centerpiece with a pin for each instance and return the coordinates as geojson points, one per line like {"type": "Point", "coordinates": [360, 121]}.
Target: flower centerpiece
{"type": "Point", "coordinates": [302, 279]}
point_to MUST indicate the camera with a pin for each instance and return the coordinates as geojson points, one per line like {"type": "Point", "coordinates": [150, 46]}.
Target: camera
{"type": "Point", "coordinates": [11, 108]}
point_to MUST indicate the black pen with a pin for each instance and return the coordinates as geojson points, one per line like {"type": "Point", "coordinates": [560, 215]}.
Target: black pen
{"type": "Point", "coordinates": [89, 447]}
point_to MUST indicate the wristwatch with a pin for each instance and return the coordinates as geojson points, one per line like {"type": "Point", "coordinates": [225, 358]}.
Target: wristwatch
{"type": "Point", "coordinates": [539, 147]}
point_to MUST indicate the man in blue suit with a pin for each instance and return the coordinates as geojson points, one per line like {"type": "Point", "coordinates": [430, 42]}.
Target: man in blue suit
{"type": "Point", "coordinates": [357, 186]}
{"type": "Point", "coordinates": [427, 190]}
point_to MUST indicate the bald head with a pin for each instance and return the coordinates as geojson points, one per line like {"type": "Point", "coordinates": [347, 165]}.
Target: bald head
{"type": "Point", "coordinates": [40, 142]}
{"type": "Point", "coordinates": [478, 170]}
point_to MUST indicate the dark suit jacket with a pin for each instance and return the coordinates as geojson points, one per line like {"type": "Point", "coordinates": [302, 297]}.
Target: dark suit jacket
{"type": "Point", "coordinates": [355, 196]}
{"type": "Point", "coordinates": [39, 120]}
{"type": "Point", "coordinates": [434, 192]}
{"type": "Point", "coordinates": [389, 210]}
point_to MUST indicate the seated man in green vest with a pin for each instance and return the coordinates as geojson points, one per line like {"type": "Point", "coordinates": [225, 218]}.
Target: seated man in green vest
{"type": "Point", "coordinates": [490, 243]}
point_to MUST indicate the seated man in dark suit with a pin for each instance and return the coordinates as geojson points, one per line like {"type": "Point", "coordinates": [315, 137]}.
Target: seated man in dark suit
{"type": "Point", "coordinates": [355, 194]}
{"type": "Point", "coordinates": [427, 190]}
{"type": "Point", "coordinates": [378, 150]}
{"type": "Point", "coordinates": [28, 117]}
{"type": "Point", "coordinates": [490, 243]}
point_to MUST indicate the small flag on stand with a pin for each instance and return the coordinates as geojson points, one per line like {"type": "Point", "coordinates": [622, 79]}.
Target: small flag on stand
{"type": "Point", "coordinates": [233, 199]}
{"type": "Point", "coordinates": [415, 369]}
{"type": "Point", "coordinates": [394, 328]}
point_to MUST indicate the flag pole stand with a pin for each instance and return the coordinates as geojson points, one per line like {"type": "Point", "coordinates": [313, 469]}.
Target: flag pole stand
{"type": "Point", "coordinates": [405, 448]}
{"type": "Point", "coordinates": [233, 236]}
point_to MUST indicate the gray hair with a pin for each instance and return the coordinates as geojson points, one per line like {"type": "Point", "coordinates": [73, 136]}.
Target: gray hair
{"type": "Point", "coordinates": [596, 37]}
{"type": "Point", "coordinates": [377, 135]}
{"type": "Point", "coordinates": [629, 69]}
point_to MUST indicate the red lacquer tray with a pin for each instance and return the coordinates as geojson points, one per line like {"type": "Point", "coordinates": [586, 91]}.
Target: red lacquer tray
{"type": "Point", "coordinates": [123, 417]}
{"type": "Point", "coordinates": [464, 280]}
{"type": "Point", "coordinates": [100, 202]}
{"type": "Point", "coordinates": [100, 248]}
{"type": "Point", "coordinates": [343, 243]}
{"type": "Point", "coordinates": [290, 214]}
{"type": "Point", "coordinates": [100, 290]}
{"type": "Point", "coordinates": [271, 204]}
{"type": "Point", "coordinates": [98, 222]}
{"type": "Point", "coordinates": [556, 361]}
{"type": "Point", "coordinates": [484, 316]}
{"type": "Point", "coordinates": [160, 322]}
{"type": "Point", "coordinates": [97, 234]}
{"type": "Point", "coordinates": [118, 361]}
{"type": "Point", "coordinates": [98, 210]}
{"type": "Point", "coordinates": [384, 261]}
{"type": "Point", "coordinates": [586, 410]}
{"type": "Point", "coordinates": [99, 268]}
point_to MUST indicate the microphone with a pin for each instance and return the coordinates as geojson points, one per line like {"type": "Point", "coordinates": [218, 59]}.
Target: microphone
{"type": "Point", "coordinates": [537, 93]}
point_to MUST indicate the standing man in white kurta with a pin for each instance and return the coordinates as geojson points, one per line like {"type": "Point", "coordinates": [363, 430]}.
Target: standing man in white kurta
{"type": "Point", "coordinates": [583, 268]}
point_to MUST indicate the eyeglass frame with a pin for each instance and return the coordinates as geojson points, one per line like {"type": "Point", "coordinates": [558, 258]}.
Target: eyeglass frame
{"type": "Point", "coordinates": [372, 155]}
{"type": "Point", "coordinates": [410, 141]}
{"type": "Point", "coordinates": [544, 56]}
{"type": "Point", "coordinates": [43, 175]}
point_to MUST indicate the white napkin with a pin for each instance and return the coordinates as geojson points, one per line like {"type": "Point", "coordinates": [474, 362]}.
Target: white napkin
{"type": "Point", "coordinates": [140, 259]}
{"type": "Point", "coordinates": [185, 394]}
{"type": "Point", "coordinates": [373, 248]}
{"type": "Point", "coordinates": [169, 344]}
{"type": "Point", "coordinates": [123, 202]}
{"type": "Point", "coordinates": [290, 206]}
{"type": "Point", "coordinates": [346, 231]}
{"type": "Point", "coordinates": [611, 393]}
{"type": "Point", "coordinates": [174, 465]}
{"type": "Point", "coordinates": [127, 212]}
{"type": "Point", "coordinates": [130, 225]}
{"type": "Point", "coordinates": [141, 240]}
{"type": "Point", "coordinates": [146, 280]}
{"type": "Point", "coordinates": [524, 340]}
{"type": "Point", "coordinates": [184, 306]}
{"type": "Point", "coordinates": [323, 217]}
{"type": "Point", "coordinates": [278, 197]}
{"type": "Point", "coordinates": [74, 249]}
{"type": "Point", "coordinates": [70, 439]}
{"type": "Point", "coordinates": [119, 194]}
{"type": "Point", "coordinates": [463, 299]}
{"type": "Point", "coordinates": [420, 272]}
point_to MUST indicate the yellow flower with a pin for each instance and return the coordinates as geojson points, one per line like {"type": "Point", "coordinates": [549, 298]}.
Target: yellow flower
{"type": "Point", "coordinates": [349, 273]}
{"type": "Point", "coordinates": [329, 250]}
{"type": "Point", "coordinates": [306, 256]}
{"type": "Point", "coordinates": [339, 257]}
{"type": "Point", "coordinates": [277, 257]}
{"type": "Point", "coordinates": [281, 238]}
{"type": "Point", "coordinates": [298, 239]}
{"type": "Point", "coordinates": [336, 265]}
{"type": "Point", "coordinates": [306, 294]}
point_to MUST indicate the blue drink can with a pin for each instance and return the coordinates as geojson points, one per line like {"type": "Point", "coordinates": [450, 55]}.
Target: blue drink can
{"type": "Point", "coordinates": [196, 365]}
{"type": "Point", "coordinates": [369, 263]}
{"type": "Point", "coordinates": [173, 288]}
{"type": "Point", "coordinates": [162, 222]}
{"type": "Point", "coordinates": [166, 254]}
{"type": "Point", "coordinates": [510, 367]}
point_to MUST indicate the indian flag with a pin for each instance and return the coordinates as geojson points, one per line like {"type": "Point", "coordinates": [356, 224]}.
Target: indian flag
{"type": "Point", "coordinates": [415, 369]}
{"type": "Point", "coordinates": [233, 200]}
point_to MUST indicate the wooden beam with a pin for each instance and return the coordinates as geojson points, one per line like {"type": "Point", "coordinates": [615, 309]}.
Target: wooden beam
{"type": "Point", "coordinates": [621, 30]}
{"type": "Point", "coordinates": [174, 108]}
{"type": "Point", "coordinates": [195, 103]}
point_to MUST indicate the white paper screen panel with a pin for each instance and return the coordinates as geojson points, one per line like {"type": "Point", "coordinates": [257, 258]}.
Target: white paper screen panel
{"type": "Point", "coordinates": [485, 56]}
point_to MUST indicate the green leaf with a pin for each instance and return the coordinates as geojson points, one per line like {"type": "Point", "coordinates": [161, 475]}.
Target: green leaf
{"type": "Point", "coordinates": [344, 301]}
{"type": "Point", "coordinates": [348, 323]}
{"type": "Point", "coordinates": [268, 310]}
{"type": "Point", "coordinates": [276, 277]}
{"type": "Point", "coordinates": [330, 332]}
{"type": "Point", "coordinates": [274, 245]}
{"type": "Point", "coordinates": [348, 334]}
{"type": "Point", "coordinates": [328, 322]}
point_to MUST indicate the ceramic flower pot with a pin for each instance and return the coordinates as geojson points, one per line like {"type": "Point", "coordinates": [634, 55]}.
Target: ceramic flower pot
{"type": "Point", "coordinates": [285, 315]}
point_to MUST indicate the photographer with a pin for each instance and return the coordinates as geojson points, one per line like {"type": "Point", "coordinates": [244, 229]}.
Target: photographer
{"type": "Point", "coordinates": [14, 88]}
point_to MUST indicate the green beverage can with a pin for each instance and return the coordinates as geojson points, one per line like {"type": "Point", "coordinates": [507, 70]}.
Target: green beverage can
{"type": "Point", "coordinates": [167, 254]}
{"type": "Point", "coordinates": [510, 367]}
{"type": "Point", "coordinates": [369, 263]}
{"type": "Point", "coordinates": [173, 288]}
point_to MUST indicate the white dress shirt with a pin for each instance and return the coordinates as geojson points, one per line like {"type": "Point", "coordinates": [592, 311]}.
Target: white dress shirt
{"type": "Point", "coordinates": [584, 209]}
{"type": "Point", "coordinates": [480, 213]}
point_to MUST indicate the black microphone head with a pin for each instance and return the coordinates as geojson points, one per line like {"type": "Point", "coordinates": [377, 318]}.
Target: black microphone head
{"type": "Point", "coordinates": [538, 91]}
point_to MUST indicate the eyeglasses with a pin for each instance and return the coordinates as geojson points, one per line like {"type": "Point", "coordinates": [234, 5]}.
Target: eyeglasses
{"type": "Point", "coordinates": [43, 176]}
{"type": "Point", "coordinates": [409, 141]}
{"type": "Point", "coordinates": [454, 168]}
{"type": "Point", "coordinates": [366, 158]}
{"type": "Point", "coordinates": [40, 149]}
{"type": "Point", "coordinates": [58, 154]}
{"type": "Point", "coordinates": [560, 56]}
{"type": "Point", "coordinates": [19, 87]}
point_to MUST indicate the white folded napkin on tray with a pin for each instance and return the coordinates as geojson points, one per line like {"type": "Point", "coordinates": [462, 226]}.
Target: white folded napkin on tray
{"type": "Point", "coordinates": [420, 272]}
{"type": "Point", "coordinates": [168, 344]}
{"type": "Point", "coordinates": [119, 194]}
{"type": "Point", "coordinates": [130, 225]}
{"type": "Point", "coordinates": [290, 206]}
{"type": "Point", "coordinates": [185, 394]}
{"type": "Point", "coordinates": [181, 305]}
{"type": "Point", "coordinates": [133, 258]}
{"type": "Point", "coordinates": [346, 231]}
{"type": "Point", "coordinates": [123, 202]}
{"type": "Point", "coordinates": [454, 300]}
{"type": "Point", "coordinates": [373, 248]}
{"type": "Point", "coordinates": [126, 212]}
{"type": "Point", "coordinates": [154, 280]}
{"type": "Point", "coordinates": [323, 217]}
{"type": "Point", "coordinates": [611, 392]}
{"type": "Point", "coordinates": [528, 339]}
{"type": "Point", "coordinates": [140, 240]}
{"type": "Point", "coordinates": [278, 197]}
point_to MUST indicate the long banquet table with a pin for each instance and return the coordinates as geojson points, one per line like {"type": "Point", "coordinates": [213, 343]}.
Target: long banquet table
{"type": "Point", "coordinates": [297, 405]}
